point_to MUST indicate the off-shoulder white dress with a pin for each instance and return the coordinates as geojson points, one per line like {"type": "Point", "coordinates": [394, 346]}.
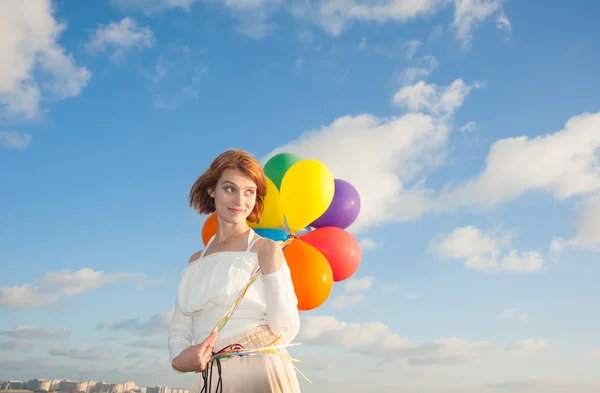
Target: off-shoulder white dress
{"type": "Point", "coordinates": [208, 288]}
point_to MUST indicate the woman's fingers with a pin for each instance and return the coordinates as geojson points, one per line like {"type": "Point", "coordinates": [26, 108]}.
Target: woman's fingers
{"type": "Point", "coordinates": [209, 345]}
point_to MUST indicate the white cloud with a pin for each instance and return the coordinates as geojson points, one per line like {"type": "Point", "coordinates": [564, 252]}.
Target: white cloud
{"type": "Point", "coordinates": [54, 285]}
{"type": "Point", "coordinates": [149, 344]}
{"type": "Point", "coordinates": [153, 6]}
{"type": "Point", "coordinates": [253, 15]}
{"type": "Point", "coordinates": [358, 284]}
{"type": "Point", "coordinates": [469, 127]}
{"type": "Point", "coordinates": [367, 244]}
{"type": "Point", "coordinates": [566, 164]}
{"type": "Point", "coordinates": [513, 313]}
{"type": "Point", "coordinates": [390, 288]}
{"type": "Point", "coordinates": [14, 140]}
{"type": "Point", "coordinates": [158, 323]}
{"type": "Point", "coordinates": [327, 330]}
{"type": "Point", "coordinates": [140, 353]}
{"type": "Point", "coordinates": [151, 365]}
{"type": "Point", "coordinates": [345, 301]}
{"type": "Point", "coordinates": [411, 48]}
{"type": "Point", "coordinates": [81, 353]}
{"type": "Point", "coordinates": [375, 339]}
{"type": "Point", "coordinates": [17, 345]}
{"type": "Point", "coordinates": [439, 101]}
{"type": "Point", "coordinates": [150, 7]}
{"type": "Point", "coordinates": [397, 153]}
{"type": "Point", "coordinates": [470, 13]}
{"type": "Point", "coordinates": [587, 223]}
{"type": "Point", "coordinates": [436, 33]}
{"type": "Point", "coordinates": [426, 65]}
{"type": "Point", "coordinates": [423, 66]}
{"type": "Point", "coordinates": [557, 245]}
{"type": "Point", "coordinates": [388, 154]}
{"type": "Point", "coordinates": [527, 345]}
{"type": "Point", "coordinates": [504, 24]}
{"type": "Point", "coordinates": [362, 45]}
{"type": "Point", "coordinates": [176, 76]}
{"type": "Point", "coordinates": [352, 285]}
{"type": "Point", "coordinates": [337, 16]}
{"type": "Point", "coordinates": [373, 173]}
{"type": "Point", "coordinates": [34, 332]}
{"type": "Point", "coordinates": [448, 350]}
{"type": "Point", "coordinates": [120, 37]}
{"type": "Point", "coordinates": [484, 251]}
{"type": "Point", "coordinates": [34, 65]}
{"type": "Point", "coordinates": [412, 296]}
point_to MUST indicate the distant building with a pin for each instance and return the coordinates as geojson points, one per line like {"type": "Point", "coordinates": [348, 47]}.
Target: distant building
{"type": "Point", "coordinates": [46, 385]}
{"type": "Point", "coordinates": [103, 387]}
{"type": "Point", "coordinates": [40, 385]}
{"type": "Point", "coordinates": [165, 389]}
{"type": "Point", "coordinates": [12, 385]}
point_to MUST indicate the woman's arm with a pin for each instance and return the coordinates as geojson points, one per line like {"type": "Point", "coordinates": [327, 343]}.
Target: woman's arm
{"type": "Point", "coordinates": [282, 304]}
{"type": "Point", "coordinates": [180, 334]}
{"type": "Point", "coordinates": [181, 331]}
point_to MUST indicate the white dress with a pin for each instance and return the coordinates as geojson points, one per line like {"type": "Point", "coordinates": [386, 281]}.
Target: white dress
{"type": "Point", "coordinates": [208, 288]}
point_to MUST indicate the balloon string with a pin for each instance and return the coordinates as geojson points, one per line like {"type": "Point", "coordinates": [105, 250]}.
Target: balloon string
{"type": "Point", "coordinates": [225, 318]}
{"type": "Point", "coordinates": [271, 349]}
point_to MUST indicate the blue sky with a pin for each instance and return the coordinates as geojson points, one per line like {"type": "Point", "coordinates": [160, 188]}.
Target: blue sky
{"type": "Point", "coordinates": [471, 130]}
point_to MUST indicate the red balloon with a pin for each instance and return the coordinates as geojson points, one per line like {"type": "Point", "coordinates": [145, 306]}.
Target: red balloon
{"type": "Point", "coordinates": [339, 247]}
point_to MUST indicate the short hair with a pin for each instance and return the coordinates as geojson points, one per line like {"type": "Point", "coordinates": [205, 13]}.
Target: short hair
{"type": "Point", "coordinates": [203, 203]}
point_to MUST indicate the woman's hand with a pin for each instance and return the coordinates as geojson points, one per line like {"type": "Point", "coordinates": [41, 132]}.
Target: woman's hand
{"type": "Point", "coordinates": [270, 256]}
{"type": "Point", "coordinates": [196, 357]}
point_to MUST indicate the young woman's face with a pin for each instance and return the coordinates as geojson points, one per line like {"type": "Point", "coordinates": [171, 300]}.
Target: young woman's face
{"type": "Point", "coordinates": [235, 196]}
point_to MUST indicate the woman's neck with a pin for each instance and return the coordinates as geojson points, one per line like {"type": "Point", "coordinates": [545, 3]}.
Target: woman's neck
{"type": "Point", "coordinates": [228, 231]}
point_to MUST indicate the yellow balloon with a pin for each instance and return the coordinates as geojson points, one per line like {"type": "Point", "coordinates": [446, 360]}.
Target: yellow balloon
{"type": "Point", "coordinates": [306, 192]}
{"type": "Point", "coordinates": [272, 216]}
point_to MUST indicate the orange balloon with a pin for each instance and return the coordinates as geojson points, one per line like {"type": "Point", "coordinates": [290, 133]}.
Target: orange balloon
{"type": "Point", "coordinates": [311, 274]}
{"type": "Point", "coordinates": [210, 228]}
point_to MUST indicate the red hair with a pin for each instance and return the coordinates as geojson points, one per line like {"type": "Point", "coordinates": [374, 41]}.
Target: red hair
{"type": "Point", "coordinates": [239, 160]}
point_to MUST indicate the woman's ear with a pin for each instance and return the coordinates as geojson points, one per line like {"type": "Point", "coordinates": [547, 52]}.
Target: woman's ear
{"type": "Point", "coordinates": [211, 192]}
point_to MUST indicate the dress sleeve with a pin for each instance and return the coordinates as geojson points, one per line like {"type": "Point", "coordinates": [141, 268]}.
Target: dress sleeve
{"type": "Point", "coordinates": [283, 317]}
{"type": "Point", "coordinates": [180, 333]}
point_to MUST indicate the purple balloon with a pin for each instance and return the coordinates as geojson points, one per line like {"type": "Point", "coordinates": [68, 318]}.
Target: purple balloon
{"type": "Point", "coordinates": [344, 208]}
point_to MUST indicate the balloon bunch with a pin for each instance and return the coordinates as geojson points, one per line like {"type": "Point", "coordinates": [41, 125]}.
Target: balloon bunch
{"type": "Point", "coordinates": [309, 210]}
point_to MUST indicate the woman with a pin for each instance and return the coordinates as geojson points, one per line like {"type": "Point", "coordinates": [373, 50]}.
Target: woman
{"type": "Point", "coordinates": [234, 186]}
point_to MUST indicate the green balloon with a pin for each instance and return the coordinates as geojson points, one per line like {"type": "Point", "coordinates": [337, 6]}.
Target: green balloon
{"type": "Point", "coordinates": [278, 165]}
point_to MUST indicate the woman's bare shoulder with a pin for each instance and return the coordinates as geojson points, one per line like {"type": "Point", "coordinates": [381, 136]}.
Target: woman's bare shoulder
{"type": "Point", "coordinates": [195, 256]}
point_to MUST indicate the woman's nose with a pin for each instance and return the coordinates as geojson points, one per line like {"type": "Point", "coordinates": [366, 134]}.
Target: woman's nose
{"type": "Point", "coordinates": [239, 199]}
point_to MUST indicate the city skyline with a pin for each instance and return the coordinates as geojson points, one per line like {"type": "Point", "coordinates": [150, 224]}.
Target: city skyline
{"type": "Point", "coordinates": [42, 384]}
